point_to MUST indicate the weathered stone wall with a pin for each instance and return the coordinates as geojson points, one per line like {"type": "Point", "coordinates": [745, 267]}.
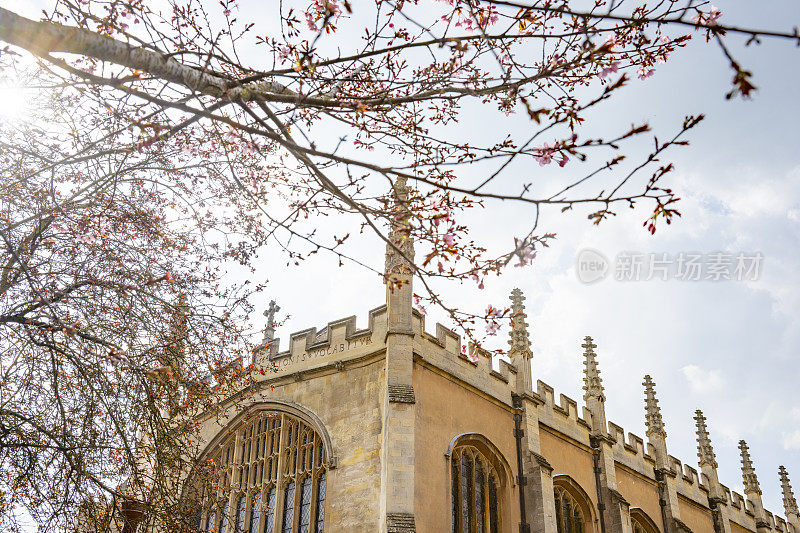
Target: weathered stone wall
{"type": "Point", "coordinates": [697, 517]}
{"type": "Point", "coordinates": [446, 408]}
{"type": "Point", "coordinates": [348, 404]}
{"type": "Point", "coordinates": [569, 458]}
{"type": "Point", "coordinates": [641, 492]}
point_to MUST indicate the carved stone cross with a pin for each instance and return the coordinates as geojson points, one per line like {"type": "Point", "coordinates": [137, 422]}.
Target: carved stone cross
{"type": "Point", "coordinates": [270, 313]}
{"type": "Point", "coordinates": [269, 332]}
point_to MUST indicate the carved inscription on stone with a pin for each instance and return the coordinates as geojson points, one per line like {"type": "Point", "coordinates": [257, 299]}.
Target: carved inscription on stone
{"type": "Point", "coordinates": [334, 349]}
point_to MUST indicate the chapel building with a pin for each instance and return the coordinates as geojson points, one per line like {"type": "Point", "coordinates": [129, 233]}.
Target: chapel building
{"type": "Point", "coordinates": [392, 429]}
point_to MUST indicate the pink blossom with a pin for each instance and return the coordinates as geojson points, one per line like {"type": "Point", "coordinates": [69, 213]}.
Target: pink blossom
{"type": "Point", "coordinates": [493, 312]}
{"type": "Point", "coordinates": [283, 51]}
{"type": "Point", "coordinates": [86, 238]}
{"type": "Point", "coordinates": [311, 21]}
{"type": "Point", "coordinates": [544, 155]}
{"type": "Point", "coordinates": [321, 9]}
{"type": "Point", "coordinates": [419, 306]}
{"type": "Point", "coordinates": [564, 160]}
{"type": "Point", "coordinates": [610, 69]}
{"type": "Point", "coordinates": [710, 18]}
{"type": "Point", "coordinates": [645, 72]}
{"type": "Point", "coordinates": [493, 15]}
{"type": "Point", "coordinates": [713, 15]}
{"type": "Point", "coordinates": [449, 239]}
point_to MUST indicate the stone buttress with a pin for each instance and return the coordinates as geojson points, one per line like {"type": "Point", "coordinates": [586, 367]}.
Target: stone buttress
{"type": "Point", "coordinates": [536, 484]}
{"type": "Point", "coordinates": [613, 508]}
{"type": "Point", "coordinates": [789, 501]}
{"type": "Point", "coordinates": [752, 489]}
{"type": "Point", "coordinates": [397, 457]}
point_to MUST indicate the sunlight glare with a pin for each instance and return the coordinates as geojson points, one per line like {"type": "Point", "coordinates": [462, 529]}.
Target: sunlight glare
{"type": "Point", "coordinates": [12, 102]}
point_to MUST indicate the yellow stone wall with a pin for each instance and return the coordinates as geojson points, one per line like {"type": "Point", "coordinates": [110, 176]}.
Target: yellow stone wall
{"type": "Point", "coordinates": [699, 519]}
{"type": "Point", "coordinates": [640, 492]}
{"type": "Point", "coordinates": [569, 458]}
{"type": "Point", "coordinates": [446, 408]}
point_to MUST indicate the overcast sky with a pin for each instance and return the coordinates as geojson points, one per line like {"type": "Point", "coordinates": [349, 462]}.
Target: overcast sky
{"type": "Point", "coordinates": [727, 347]}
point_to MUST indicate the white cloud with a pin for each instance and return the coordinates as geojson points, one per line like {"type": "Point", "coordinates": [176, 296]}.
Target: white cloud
{"type": "Point", "coordinates": [703, 381]}
{"type": "Point", "coordinates": [791, 441]}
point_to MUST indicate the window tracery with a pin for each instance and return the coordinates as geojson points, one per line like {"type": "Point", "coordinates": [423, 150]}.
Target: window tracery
{"type": "Point", "coordinates": [475, 491]}
{"type": "Point", "coordinates": [569, 516]}
{"type": "Point", "coordinates": [268, 477]}
{"type": "Point", "coordinates": [641, 522]}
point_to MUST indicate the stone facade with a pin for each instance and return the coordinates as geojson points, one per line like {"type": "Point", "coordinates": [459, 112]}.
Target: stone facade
{"type": "Point", "coordinates": [392, 420]}
{"type": "Point", "coordinates": [393, 403]}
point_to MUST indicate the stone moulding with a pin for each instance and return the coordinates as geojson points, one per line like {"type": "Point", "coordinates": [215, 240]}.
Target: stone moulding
{"type": "Point", "coordinates": [293, 409]}
{"type": "Point", "coordinates": [680, 526]}
{"type": "Point", "coordinates": [401, 394]}
{"type": "Point", "coordinates": [400, 523]}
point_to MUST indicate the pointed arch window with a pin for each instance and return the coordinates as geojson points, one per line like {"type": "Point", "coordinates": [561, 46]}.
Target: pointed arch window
{"type": "Point", "coordinates": [641, 522]}
{"type": "Point", "coordinates": [574, 510]}
{"type": "Point", "coordinates": [268, 477]}
{"type": "Point", "coordinates": [569, 517]}
{"type": "Point", "coordinates": [475, 489]}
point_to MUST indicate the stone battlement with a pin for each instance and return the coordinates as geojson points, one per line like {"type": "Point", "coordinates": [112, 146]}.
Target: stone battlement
{"type": "Point", "coordinates": [340, 339]}
{"type": "Point", "coordinates": [470, 364]}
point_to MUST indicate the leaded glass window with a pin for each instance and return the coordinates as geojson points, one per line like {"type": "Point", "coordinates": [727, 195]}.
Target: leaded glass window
{"type": "Point", "coordinates": [241, 506]}
{"type": "Point", "coordinates": [210, 521]}
{"type": "Point", "coordinates": [320, 502]}
{"type": "Point", "coordinates": [474, 492]}
{"type": "Point", "coordinates": [223, 522]}
{"type": "Point", "coordinates": [255, 513]}
{"type": "Point", "coordinates": [288, 508]}
{"type": "Point", "coordinates": [270, 521]}
{"type": "Point", "coordinates": [569, 517]}
{"type": "Point", "coordinates": [268, 477]}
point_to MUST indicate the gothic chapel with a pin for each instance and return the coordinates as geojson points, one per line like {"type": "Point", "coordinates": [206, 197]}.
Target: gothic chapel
{"type": "Point", "coordinates": [392, 429]}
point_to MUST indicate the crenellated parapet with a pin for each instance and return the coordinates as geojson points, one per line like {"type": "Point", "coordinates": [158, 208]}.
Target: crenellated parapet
{"type": "Point", "coordinates": [470, 364]}
{"type": "Point", "coordinates": [563, 415]}
{"type": "Point", "coordinates": [310, 348]}
{"type": "Point", "coordinates": [631, 451]}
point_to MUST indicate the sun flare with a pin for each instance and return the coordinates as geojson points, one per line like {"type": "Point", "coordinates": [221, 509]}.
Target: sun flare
{"type": "Point", "coordinates": [12, 102]}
